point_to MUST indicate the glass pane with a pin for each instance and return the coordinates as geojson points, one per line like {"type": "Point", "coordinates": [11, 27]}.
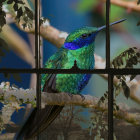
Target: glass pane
{"type": "Point", "coordinates": [15, 98]}
{"type": "Point", "coordinates": [77, 122]}
{"type": "Point", "coordinates": [16, 45]}
{"type": "Point", "coordinates": [126, 107]}
{"type": "Point", "coordinates": [73, 19]}
{"type": "Point", "coordinates": [125, 36]}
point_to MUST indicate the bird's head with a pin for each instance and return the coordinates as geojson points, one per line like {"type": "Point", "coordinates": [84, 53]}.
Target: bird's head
{"type": "Point", "coordinates": [83, 37]}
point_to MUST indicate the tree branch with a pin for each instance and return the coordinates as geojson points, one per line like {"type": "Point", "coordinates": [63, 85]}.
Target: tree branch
{"type": "Point", "coordinates": [16, 97]}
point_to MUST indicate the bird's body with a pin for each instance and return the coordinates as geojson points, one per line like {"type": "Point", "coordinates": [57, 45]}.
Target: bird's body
{"type": "Point", "coordinates": [64, 59]}
{"type": "Point", "coordinates": [79, 47]}
{"type": "Point", "coordinates": [74, 49]}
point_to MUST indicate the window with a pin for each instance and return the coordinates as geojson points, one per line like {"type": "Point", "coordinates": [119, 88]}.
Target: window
{"type": "Point", "coordinates": [111, 72]}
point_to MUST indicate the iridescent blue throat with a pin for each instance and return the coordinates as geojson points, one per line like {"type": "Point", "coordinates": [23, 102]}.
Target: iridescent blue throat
{"type": "Point", "coordinates": [80, 42]}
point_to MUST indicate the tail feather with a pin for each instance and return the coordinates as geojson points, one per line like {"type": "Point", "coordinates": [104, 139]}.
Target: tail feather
{"type": "Point", "coordinates": [46, 117]}
{"type": "Point", "coordinates": [36, 124]}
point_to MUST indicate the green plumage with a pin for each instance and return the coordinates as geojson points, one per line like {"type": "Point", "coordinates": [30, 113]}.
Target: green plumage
{"type": "Point", "coordinates": [64, 59]}
{"type": "Point", "coordinates": [77, 33]}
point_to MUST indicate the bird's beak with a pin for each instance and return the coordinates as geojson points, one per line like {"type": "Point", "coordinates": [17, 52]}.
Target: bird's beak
{"type": "Point", "coordinates": [116, 22]}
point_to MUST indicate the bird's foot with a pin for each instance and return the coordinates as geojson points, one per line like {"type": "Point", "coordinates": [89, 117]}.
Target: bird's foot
{"type": "Point", "coordinates": [82, 96]}
{"type": "Point", "coordinates": [69, 94]}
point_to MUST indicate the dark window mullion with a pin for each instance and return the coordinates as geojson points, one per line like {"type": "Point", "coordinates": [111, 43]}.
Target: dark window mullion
{"type": "Point", "coordinates": [110, 77]}
{"type": "Point", "coordinates": [110, 107]}
{"type": "Point", "coordinates": [107, 35]}
{"type": "Point", "coordinates": [37, 59]}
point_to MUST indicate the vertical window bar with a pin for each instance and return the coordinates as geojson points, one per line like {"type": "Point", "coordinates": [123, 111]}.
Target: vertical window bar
{"type": "Point", "coordinates": [39, 35]}
{"type": "Point", "coordinates": [37, 59]}
{"type": "Point", "coordinates": [110, 107]}
{"type": "Point", "coordinates": [107, 35]}
{"type": "Point", "coordinates": [110, 77]}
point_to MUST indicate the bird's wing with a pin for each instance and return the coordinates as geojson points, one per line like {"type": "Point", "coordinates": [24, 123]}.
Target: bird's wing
{"type": "Point", "coordinates": [56, 61]}
{"type": "Point", "coordinates": [50, 112]}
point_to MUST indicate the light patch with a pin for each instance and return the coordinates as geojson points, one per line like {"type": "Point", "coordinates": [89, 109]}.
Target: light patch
{"type": "Point", "coordinates": [63, 35]}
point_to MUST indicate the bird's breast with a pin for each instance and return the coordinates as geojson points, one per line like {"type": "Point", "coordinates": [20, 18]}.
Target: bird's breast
{"type": "Point", "coordinates": [71, 83]}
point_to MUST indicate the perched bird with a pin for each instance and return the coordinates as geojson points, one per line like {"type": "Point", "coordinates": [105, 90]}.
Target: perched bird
{"type": "Point", "coordinates": [79, 47]}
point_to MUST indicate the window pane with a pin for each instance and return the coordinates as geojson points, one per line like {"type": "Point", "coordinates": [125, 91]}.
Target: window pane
{"type": "Point", "coordinates": [16, 46]}
{"type": "Point", "coordinates": [78, 122]}
{"type": "Point", "coordinates": [15, 97]}
{"type": "Point", "coordinates": [127, 110]}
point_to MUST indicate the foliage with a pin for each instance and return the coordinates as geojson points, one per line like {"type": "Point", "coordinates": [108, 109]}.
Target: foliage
{"type": "Point", "coordinates": [2, 15]}
{"type": "Point", "coordinates": [99, 125]}
{"type": "Point", "coordinates": [104, 100]}
{"type": "Point", "coordinates": [21, 11]}
{"type": "Point", "coordinates": [127, 59]}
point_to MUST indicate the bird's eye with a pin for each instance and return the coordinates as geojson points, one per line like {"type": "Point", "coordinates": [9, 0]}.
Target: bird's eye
{"type": "Point", "coordinates": [84, 35]}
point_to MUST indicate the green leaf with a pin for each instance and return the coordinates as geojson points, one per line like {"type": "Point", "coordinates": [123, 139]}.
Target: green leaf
{"type": "Point", "coordinates": [117, 108]}
{"type": "Point", "coordinates": [132, 77]}
{"type": "Point", "coordinates": [2, 18]}
{"type": "Point", "coordinates": [15, 7]}
{"type": "Point", "coordinates": [29, 13]}
{"type": "Point", "coordinates": [19, 13]}
{"type": "Point", "coordinates": [21, 2]}
{"type": "Point", "coordinates": [102, 99]}
{"type": "Point", "coordinates": [10, 1]}
{"type": "Point", "coordinates": [126, 89]}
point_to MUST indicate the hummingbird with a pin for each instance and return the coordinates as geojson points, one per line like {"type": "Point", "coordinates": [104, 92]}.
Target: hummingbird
{"type": "Point", "coordinates": [78, 47]}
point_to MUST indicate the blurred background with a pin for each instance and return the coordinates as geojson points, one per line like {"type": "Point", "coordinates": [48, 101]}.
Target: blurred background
{"type": "Point", "coordinates": [68, 15]}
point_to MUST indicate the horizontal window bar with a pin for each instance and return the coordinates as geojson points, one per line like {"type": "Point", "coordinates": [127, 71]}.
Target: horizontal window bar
{"type": "Point", "coordinates": [74, 71]}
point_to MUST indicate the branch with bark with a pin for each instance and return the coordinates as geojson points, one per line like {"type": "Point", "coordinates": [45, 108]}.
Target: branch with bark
{"type": "Point", "coordinates": [15, 97]}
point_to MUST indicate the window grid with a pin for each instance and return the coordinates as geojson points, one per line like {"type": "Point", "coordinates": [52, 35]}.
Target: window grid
{"type": "Point", "coordinates": [110, 71]}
